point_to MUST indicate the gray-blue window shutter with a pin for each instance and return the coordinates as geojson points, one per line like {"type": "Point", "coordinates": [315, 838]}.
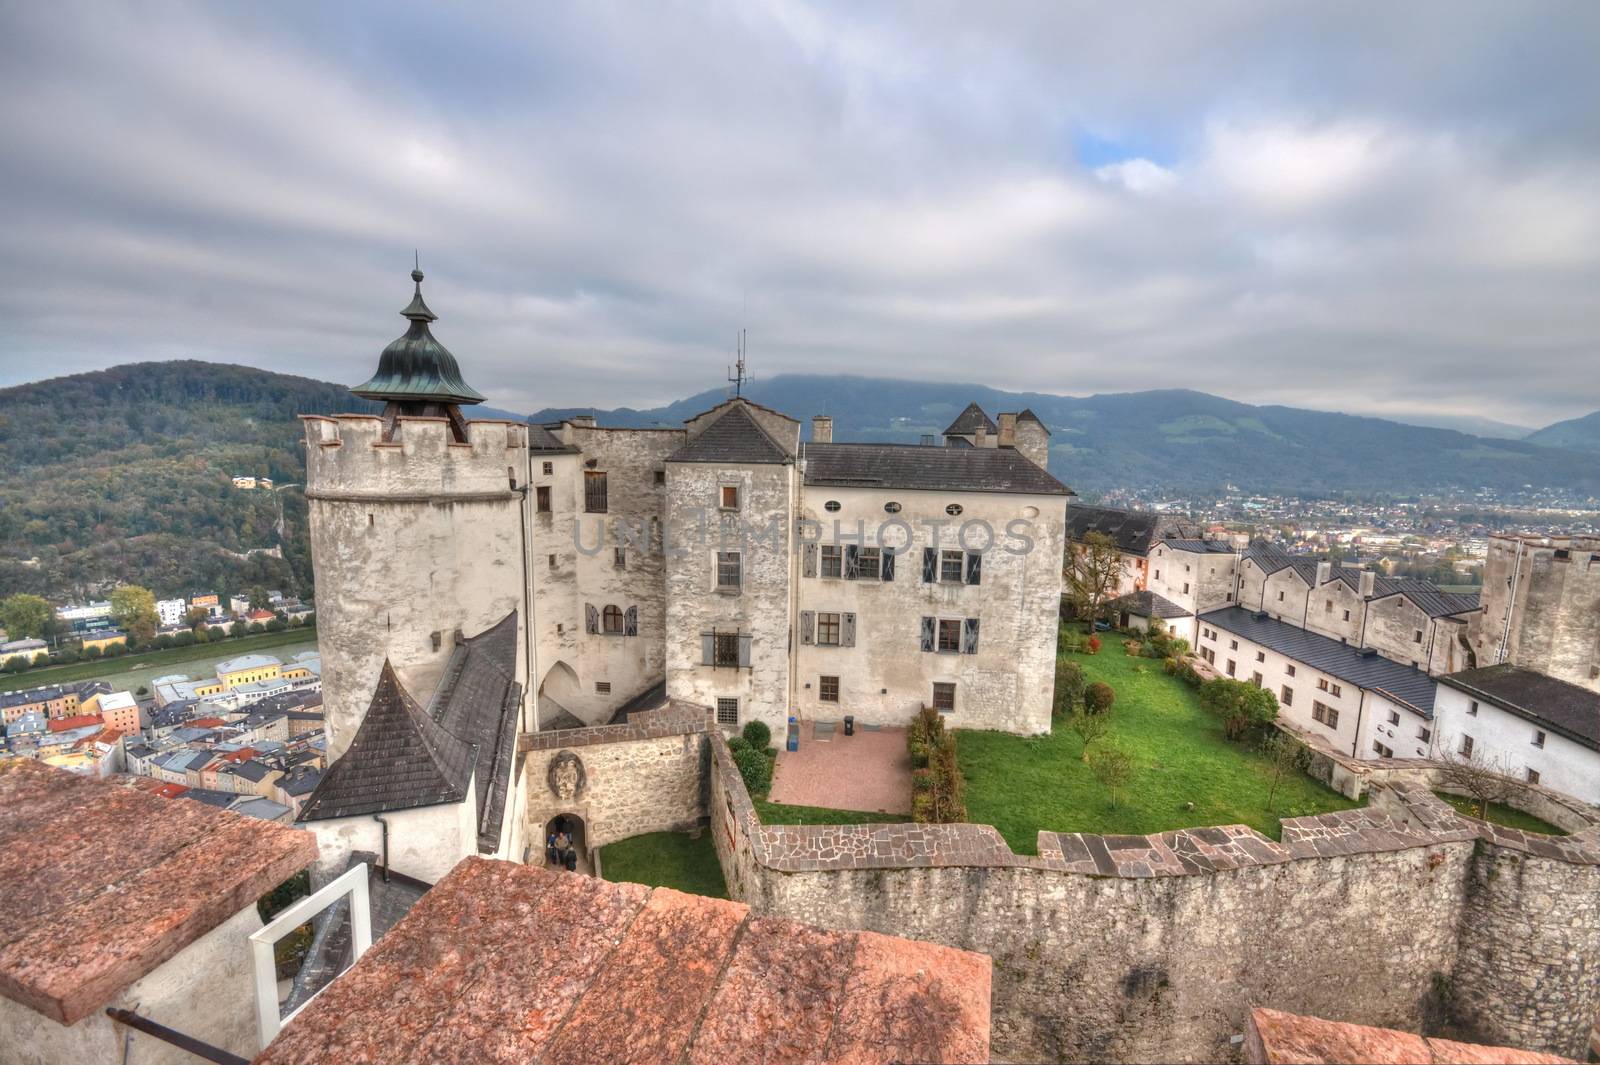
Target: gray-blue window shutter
{"type": "Point", "coordinates": [707, 648]}
{"type": "Point", "coordinates": [852, 562]}
{"type": "Point", "coordinates": [888, 565]}
{"type": "Point", "coordinates": [591, 618]}
{"type": "Point", "coordinates": [808, 560]}
{"type": "Point", "coordinates": [969, 637]}
{"type": "Point", "coordinates": [847, 630]}
{"type": "Point", "coordinates": [930, 565]}
{"type": "Point", "coordinates": [744, 650]}
{"type": "Point", "coordinates": [630, 622]}
{"type": "Point", "coordinates": [808, 620]}
{"type": "Point", "coordinates": [974, 567]}
{"type": "Point", "coordinates": [927, 634]}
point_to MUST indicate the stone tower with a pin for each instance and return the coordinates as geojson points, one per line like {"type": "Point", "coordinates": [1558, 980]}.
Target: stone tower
{"type": "Point", "coordinates": [418, 530]}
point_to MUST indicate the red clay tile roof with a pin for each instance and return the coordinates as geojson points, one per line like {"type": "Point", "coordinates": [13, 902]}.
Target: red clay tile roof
{"type": "Point", "coordinates": [473, 973]}
{"type": "Point", "coordinates": [64, 724]}
{"type": "Point", "coordinates": [104, 883]}
{"type": "Point", "coordinates": [1277, 1038]}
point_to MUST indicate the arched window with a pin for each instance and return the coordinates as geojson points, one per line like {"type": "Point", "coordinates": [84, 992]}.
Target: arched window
{"type": "Point", "coordinates": [611, 619]}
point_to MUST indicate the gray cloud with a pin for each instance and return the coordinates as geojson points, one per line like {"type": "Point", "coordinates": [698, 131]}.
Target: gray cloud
{"type": "Point", "coordinates": [1380, 208]}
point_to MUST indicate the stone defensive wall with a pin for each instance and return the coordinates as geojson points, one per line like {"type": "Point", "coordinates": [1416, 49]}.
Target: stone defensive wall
{"type": "Point", "coordinates": [348, 459]}
{"type": "Point", "coordinates": [1402, 914]}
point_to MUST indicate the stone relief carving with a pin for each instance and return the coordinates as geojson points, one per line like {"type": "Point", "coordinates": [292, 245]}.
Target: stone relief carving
{"type": "Point", "coordinates": [566, 776]}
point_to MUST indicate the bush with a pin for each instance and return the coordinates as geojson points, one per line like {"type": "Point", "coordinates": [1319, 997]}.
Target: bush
{"type": "Point", "coordinates": [936, 772]}
{"type": "Point", "coordinates": [1070, 684]}
{"type": "Point", "coordinates": [755, 768]}
{"type": "Point", "coordinates": [142, 692]}
{"type": "Point", "coordinates": [1093, 645]}
{"type": "Point", "coordinates": [1242, 707]}
{"type": "Point", "coordinates": [923, 735]}
{"type": "Point", "coordinates": [738, 743]}
{"type": "Point", "coordinates": [1098, 697]}
{"type": "Point", "coordinates": [922, 779]}
{"type": "Point", "coordinates": [1170, 666]}
{"type": "Point", "coordinates": [757, 734]}
{"type": "Point", "coordinates": [1189, 675]}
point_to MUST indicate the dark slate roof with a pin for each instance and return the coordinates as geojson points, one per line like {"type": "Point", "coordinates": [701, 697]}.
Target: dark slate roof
{"type": "Point", "coordinates": [542, 439]}
{"type": "Point", "coordinates": [1027, 415]}
{"type": "Point", "coordinates": [404, 756]}
{"type": "Point", "coordinates": [1364, 669]}
{"type": "Point", "coordinates": [735, 437]}
{"type": "Point", "coordinates": [914, 466]}
{"type": "Point", "coordinates": [1427, 596]}
{"type": "Point", "coordinates": [1134, 532]}
{"type": "Point", "coordinates": [1563, 708]}
{"type": "Point", "coordinates": [1147, 604]}
{"type": "Point", "coordinates": [1201, 547]}
{"type": "Point", "coordinates": [417, 367]}
{"type": "Point", "coordinates": [211, 797]}
{"type": "Point", "coordinates": [400, 759]}
{"type": "Point", "coordinates": [969, 421]}
{"type": "Point", "coordinates": [253, 771]}
{"type": "Point", "coordinates": [477, 701]}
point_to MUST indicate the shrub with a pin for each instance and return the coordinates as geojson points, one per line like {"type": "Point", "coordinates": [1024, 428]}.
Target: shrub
{"type": "Point", "coordinates": [1093, 645]}
{"type": "Point", "coordinates": [738, 743]}
{"type": "Point", "coordinates": [923, 735]}
{"type": "Point", "coordinates": [1089, 727]}
{"type": "Point", "coordinates": [142, 692]}
{"type": "Point", "coordinates": [757, 734]}
{"type": "Point", "coordinates": [1072, 641]}
{"type": "Point", "coordinates": [922, 779]}
{"type": "Point", "coordinates": [755, 768]}
{"type": "Point", "coordinates": [1070, 684]}
{"type": "Point", "coordinates": [1098, 697]}
{"type": "Point", "coordinates": [1188, 674]}
{"type": "Point", "coordinates": [1241, 706]}
{"type": "Point", "coordinates": [1170, 664]}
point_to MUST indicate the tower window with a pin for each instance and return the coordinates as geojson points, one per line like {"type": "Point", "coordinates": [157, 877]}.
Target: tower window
{"type": "Point", "coordinates": [549, 468]}
{"type": "Point", "coordinates": [594, 492]}
{"type": "Point", "coordinates": [611, 619]}
{"type": "Point", "coordinates": [542, 498]}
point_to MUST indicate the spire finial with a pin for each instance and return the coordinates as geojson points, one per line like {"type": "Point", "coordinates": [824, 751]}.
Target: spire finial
{"type": "Point", "coordinates": [416, 269]}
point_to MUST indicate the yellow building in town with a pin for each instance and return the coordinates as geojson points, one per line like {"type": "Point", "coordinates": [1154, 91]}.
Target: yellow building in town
{"type": "Point", "coordinates": [248, 669]}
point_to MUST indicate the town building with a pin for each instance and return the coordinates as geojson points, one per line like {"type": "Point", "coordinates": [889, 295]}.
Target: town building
{"type": "Point", "coordinates": [206, 601]}
{"type": "Point", "coordinates": [103, 640]}
{"type": "Point", "coordinates": [1541, 600]}
{"type": "Point", "coordinates": [248, 669]}
{"type": "Point", "coordinates": [171, 612]}
{"type": "Point", "coordinates": [1524, 724]}
{"type": "Point", "coordinates": [87, 616]}
{"type": "Point", "coordinates": [29, 650]}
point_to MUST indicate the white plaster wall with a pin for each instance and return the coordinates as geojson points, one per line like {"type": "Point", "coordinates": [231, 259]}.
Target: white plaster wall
{"type": "Point", "coordinates": [1507, 739]}
{"type": "Point", "coordinates": [424, 843]}
{"type": "Point", "coordinates": [206, 990]}
{"type": "Point", "coordinates": [1008, 685]}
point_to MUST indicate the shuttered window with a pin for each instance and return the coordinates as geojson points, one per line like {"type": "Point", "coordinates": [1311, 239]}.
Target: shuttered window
{"type": "Point", "coordinates": [969, 636]}
{"type": "Point", "coordinates": [950, 635]}
{"type": "Point", "coordinates": [974, 568]}
{"type": "Point", "coordinates": [591, 618]}
{"type": "Point", "coordinates": [888, 565]}
{"type": "Point", "coordinates": [927, 633]}
{"type": "Point", "coordinates": [594, 492]}
{"type": "Point", "coordinates": [852, 562]}
{"type": "Point", "coordinates": [630, 622]}
{"type": "Point", "coordinates": [950, 567]}
{"type": "Point", "coordinates": [611, 620]}
{"type": "Point", "coordinates": [827, 630]}
{"type": "Point", "coordinates": [869, 562]}
{"type": "Point", "coordinates": [808, 560]}
{"type": "Point", "coordinates": [832, 561]}
{"type": "Point", "coordinates": [808, 620]}
{"type": "Point", "coordinates": [930, 565]}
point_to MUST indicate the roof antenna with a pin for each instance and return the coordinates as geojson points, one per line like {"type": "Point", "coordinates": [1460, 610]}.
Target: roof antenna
{"type": "Point", "coordinates": [736, 373]}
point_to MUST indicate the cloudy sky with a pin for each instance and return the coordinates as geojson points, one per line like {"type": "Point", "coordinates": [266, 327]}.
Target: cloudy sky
{"type": "Point", "coordinates": [1383, 208]}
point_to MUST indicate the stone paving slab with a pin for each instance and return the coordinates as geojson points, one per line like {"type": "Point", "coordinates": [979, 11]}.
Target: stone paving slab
{"type": "Point", "coordinates": [870, 771]}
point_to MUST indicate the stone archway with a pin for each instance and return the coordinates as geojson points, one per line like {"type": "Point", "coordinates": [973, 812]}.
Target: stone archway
{"type": "Point", "coordinates": [577, 835]}
{"type": "Point", "coordinates": [559, 691]}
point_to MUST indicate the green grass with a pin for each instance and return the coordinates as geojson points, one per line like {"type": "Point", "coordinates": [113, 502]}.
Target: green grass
{"type": "Point", "coordinates": [666, 859]}
{"type": "Point", "coordinates": [156, 663]}
{"type": "Point", "coordinates": [1024, 784]}
{"type": "Point", "coordinates": [778, 813]}
{"type": "Point", "coordinates": [1501, 814]}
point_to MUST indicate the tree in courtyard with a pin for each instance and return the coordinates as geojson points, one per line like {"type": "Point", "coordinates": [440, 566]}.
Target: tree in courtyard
{"type": "Point", "coordinates": [134, 610]}
{"type": "Point", "coordinates": [24, 616]}
{"type": "Point", "coordinates": [1112, 767]}
{"type": "Point", "coordinates": [1090, 727]}
{"type": "Point", "coordinates": [1285, 757]}
{"type": "Point", "coordinates": [1093, 571]}
{"type": "Point", "coordinates": [195, 616]}
{"type": "Point", "coordinates": [1240, 705]}
{"type": "Point", "coordinates": [1099, 697]}
{"type": "Point", "coordinates": [1070, 685]}
{"type": "Point", "coordinates": [1469, 772]}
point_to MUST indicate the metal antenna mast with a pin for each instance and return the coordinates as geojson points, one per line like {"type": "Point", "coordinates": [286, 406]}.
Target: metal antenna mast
{"type": "Point", "coordinates": [736, 372]}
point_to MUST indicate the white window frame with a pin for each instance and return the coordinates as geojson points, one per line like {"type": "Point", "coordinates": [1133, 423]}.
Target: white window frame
{"type": "Point", "coordinates": [352, 882]}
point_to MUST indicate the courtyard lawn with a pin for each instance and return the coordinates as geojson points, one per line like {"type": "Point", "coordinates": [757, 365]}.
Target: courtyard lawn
{"type": "Point", "coordinates": [779, 813]}
{"type": "Point", "coordinates": [1501, 814]}
{"type": "Point", "coordinates": [666, 859]}
{"type": "Point", "coordinates": [1024, 784]}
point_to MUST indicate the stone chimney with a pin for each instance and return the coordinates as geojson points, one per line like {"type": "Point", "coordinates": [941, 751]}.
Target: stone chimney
{"type": "Point", "coordinates": [1324, 572]}
{"type": "Point", "coordinates": [583, 419]}
{"type": "Point", "coordinates": [821, 429]}
{"type": "Point", "coordinates": [1369, 581]}
{"type": "Point", "coordinates": [980, 437]}
{"type": "Point", "coordinates": [1008, 431]}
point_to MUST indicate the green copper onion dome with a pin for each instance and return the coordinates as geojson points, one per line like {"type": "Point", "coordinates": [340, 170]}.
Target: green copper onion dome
{"type": "Point", "coordinates": [417, 368]}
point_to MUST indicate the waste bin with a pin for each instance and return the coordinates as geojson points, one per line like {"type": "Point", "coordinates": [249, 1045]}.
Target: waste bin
{"type": "Point", "coordinates": [849, 724]}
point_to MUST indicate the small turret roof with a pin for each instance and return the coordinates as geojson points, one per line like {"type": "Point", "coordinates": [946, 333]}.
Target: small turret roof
{"type": "Point", "coordinates": [969, 421]}
{"type": "Point", "coordinates": [416, 367]}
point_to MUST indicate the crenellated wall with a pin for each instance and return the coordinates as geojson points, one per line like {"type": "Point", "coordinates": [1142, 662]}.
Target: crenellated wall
{"type": "Point", "coordinates": [1136, 948]}
{"type": "Point", "coordinates": [412, 538]}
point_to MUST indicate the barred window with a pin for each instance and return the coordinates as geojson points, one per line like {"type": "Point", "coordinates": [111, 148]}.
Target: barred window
{"type": "Point", "coordinates": [726, 650]}
{"type": "Point", "coordinates": [619, 557]}
{"type": "Point", "coordinates": [594, 492]}
{"type": "Point", "coordinates": [828, 630]}
{"type": "Point", "coordinates": [727, 711]}
{"type": "Point", "coordinates": [602, 687]}
{"type": "Point", "coordinates": [944, 697]}
{"type": "Point", "coordinates": [828, 689]}
{"type": "Point", "coordinates": [950, 566]}
{"type": "Point", "coordinates": [832, 560]}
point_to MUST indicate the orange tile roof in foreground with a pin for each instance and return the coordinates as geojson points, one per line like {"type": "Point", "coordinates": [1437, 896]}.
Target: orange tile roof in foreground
{"type": "Point", "coordinates": [103, 883]}
{"type": "Point", "coordinates": [1277, 1038]}
{"type": "Point", "coordinates": [508, 963]}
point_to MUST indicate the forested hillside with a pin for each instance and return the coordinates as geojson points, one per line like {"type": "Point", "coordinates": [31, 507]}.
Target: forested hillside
{"type": "Point", "coordinates": [126, 474]}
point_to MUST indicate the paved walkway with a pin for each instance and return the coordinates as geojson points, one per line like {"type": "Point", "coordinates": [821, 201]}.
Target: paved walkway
{"type": "Point", "coordinates": [868, 771]}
